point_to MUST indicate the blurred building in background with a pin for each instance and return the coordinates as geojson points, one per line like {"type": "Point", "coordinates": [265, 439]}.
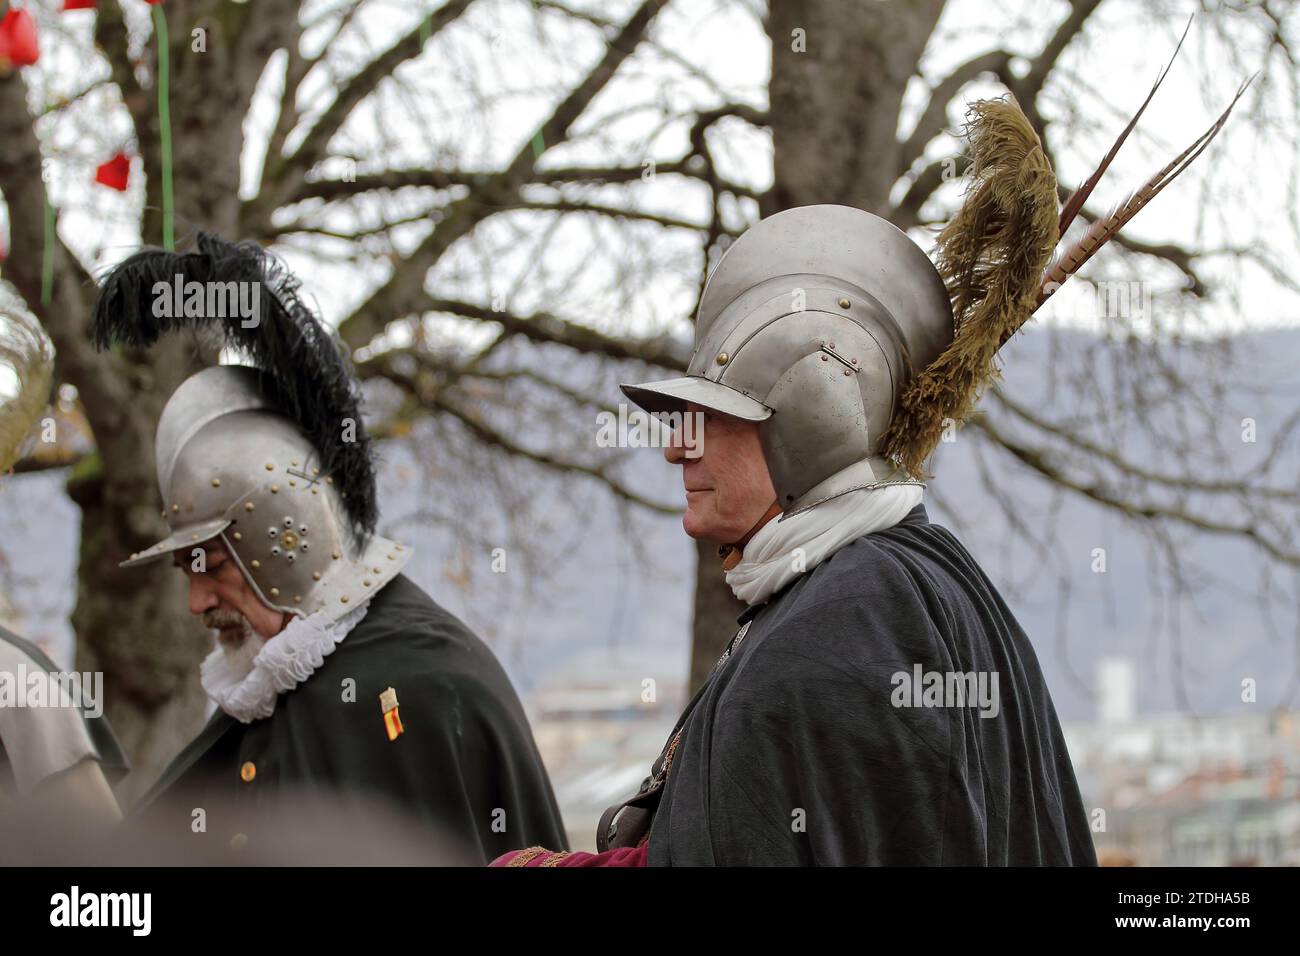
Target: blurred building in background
{"type": "Point", "coordinates": [599, 729]}
{"type": "Point", "coordinates": [1180, 790]}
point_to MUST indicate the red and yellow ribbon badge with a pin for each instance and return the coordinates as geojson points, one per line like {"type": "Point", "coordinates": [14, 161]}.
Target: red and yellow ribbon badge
{"type": "Point", "coordinates": [392, 720]}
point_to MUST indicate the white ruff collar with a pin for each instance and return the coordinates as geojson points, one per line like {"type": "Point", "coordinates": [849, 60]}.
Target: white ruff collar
{"type": "Point", "coordinates": [782, 550]}
{"type": "Point", "coordinates": [248, 690]}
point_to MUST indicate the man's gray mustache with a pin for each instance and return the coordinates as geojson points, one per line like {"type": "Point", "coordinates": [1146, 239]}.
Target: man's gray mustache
{"type": "Point", "coordinates": [218, 618]}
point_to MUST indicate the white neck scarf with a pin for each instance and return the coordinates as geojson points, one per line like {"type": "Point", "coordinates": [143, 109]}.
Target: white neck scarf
{"type": "Point", "coordinates": [247, 690]}
{"type": "Point", "coordinates": [780, 551]}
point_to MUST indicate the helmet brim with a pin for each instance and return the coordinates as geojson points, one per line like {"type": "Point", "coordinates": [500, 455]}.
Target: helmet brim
{"type": "Point", "coordinates": [673, 394]}
{"type": "Point", "coordinates": [188, 536]}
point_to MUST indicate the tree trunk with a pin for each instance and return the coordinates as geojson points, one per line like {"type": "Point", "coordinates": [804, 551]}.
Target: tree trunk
{"type": "Point", "coordinates": [134, 625]}
{"type": "Point", "coordinates": [839, 71]}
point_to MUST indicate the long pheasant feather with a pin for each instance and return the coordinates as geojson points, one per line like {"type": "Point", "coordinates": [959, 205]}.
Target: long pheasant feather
{"type": "Point", "coordinates": [995, 258]}
{"type": "Point", "coordinates": [1074, 204]}
{"type": "Point", "coordinates": [1106, 227]}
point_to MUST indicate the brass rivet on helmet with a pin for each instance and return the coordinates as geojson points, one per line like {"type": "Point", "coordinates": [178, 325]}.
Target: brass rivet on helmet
{"type": "Point", "coordinates": [256, 564]}
{"type": "Point", "coordinates": [297, 599]}
{"type": "Point", "coordinates": [275, 592]}
{"type": "Point", "coordinates": [344, 599]}
{"type": "Point", "coordinates": [723, 358]}
{"type": "Point", "coordinates": [248, 506]}
{"type": "Point", "coordinates": [270, 466]}
{"type": "Point", "coordinates": [315, 575]}
{"type": "Point", "coordinates": [844, 303]}
{"type": "Point", "coordinates": [275, 489]}
{"type": "Point", "coordinates": [335, 555]}
{"type": "Point", "coordinates": [294, 462]}
{"type": "Point", "coordinates": [216, 482]}
{"type": "Point", "coordinates": [238, 536]}
{"type": "Point", "coordinates": [175, 508]}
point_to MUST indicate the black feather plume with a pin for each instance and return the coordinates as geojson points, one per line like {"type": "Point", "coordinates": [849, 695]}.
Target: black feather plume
{"type": "Point", "coordinates": [302, 371]}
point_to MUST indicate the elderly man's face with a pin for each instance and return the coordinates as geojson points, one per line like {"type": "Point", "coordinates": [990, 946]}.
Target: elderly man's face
{"type": "Point", "coordinates": [728, 488]}
{"type": "Point", "coordinates": [223, 599]}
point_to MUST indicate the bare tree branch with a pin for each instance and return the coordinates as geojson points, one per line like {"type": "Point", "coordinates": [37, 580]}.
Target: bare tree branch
{"type": "Point", "coordinates": [404, 288]}
{"type": "Point", "coordinates": [934, 117]}
{"type": "Point", "coordinates": [435, 400]}
{"type": "Point", "coordinates": [285, 175]}
{"type": "Point", "coordinates": [544, 327]}
{"type": "Point", "coordinates": [1038, 461]}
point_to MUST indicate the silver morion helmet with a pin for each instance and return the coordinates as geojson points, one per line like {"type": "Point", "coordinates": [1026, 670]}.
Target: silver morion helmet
{"type": "Point", "coordinates": [230, 466]}
{"type": "Point", "coordinates": [812, 324]}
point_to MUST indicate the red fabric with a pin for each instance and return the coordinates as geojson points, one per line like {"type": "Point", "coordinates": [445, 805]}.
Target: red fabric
{"type": "Point", "coordinates": [114, 173]}
{"type": "Point", "coordinates": [623, 856]}
{"type": "Point", "coordinates": [79, 5]}
{"type": "Point", "coordinates": [18, 45]}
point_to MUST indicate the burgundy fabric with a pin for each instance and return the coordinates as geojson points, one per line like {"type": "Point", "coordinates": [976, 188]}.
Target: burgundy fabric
{"type": "Point", "coordinates": [622, 856]}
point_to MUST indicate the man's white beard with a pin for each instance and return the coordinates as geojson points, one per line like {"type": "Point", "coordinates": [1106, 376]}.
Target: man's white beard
{"type": "Point", "coordinates": [239, 650]}
{"type": "Point", "coordinates": [245, 674]}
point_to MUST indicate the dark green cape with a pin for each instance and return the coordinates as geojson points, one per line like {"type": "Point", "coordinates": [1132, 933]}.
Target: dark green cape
{"type": "Point", "coordinates": [466, 764]}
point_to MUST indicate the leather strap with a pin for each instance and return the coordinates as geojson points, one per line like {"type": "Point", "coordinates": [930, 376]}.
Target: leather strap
{"type": "Point", "coordinates": [731, 553]}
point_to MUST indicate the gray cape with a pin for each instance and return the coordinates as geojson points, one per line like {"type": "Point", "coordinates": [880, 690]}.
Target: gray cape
{"type": "Point", "coordinates": [801, 749]}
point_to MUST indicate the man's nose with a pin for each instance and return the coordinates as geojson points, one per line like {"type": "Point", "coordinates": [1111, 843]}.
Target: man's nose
{"type": "Point", "coordinates": [675, 451]}
{"type": "Point", "coordinates": [203, 596]}
{"type": "Point", "coordinates": [687, 439]}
